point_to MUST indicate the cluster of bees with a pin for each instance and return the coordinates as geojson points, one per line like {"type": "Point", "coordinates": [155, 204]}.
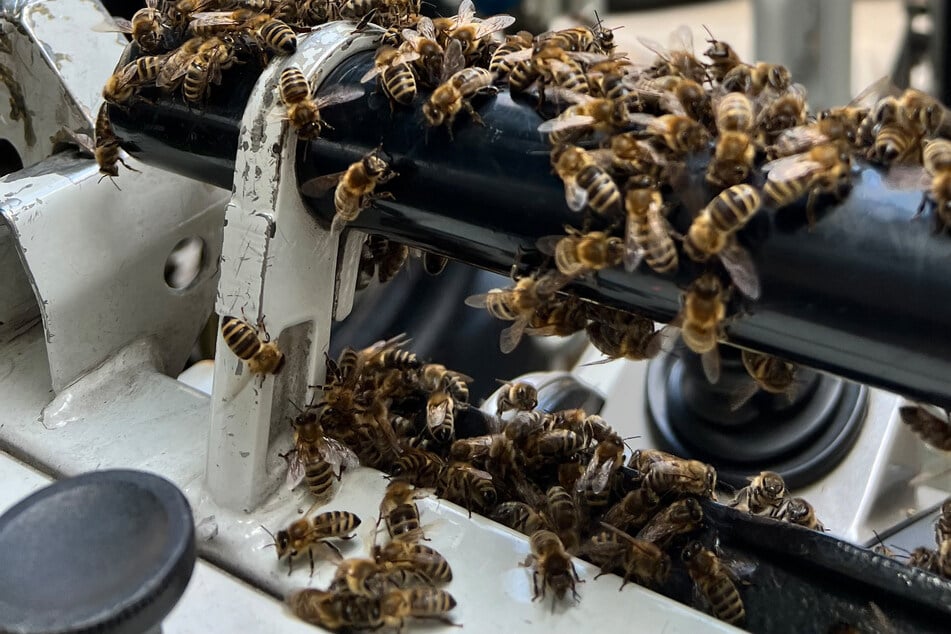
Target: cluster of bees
{"type": "Point", "coordinates": [560, 478]}
{"type": "Point", "coordinates": [936, 560]}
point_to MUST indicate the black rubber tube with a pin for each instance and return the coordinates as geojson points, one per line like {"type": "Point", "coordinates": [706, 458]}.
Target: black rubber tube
{"type": "Point", "coordinates": [864, 294]}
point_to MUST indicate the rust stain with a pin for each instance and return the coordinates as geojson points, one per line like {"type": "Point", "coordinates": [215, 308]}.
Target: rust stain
{"type": "Point", "coordinates": [18, 109]}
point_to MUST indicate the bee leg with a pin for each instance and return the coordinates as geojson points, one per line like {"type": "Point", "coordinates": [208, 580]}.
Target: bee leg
{"type": "Point", "coordinates": [290, 564]}
{"type": "Point", "coordinates": [473, 114]}
{"type": "Point", "coordinates": [111, 180]}
{"type": "Point", "coordinates": [331, 547]}
{"type": "Point", "coordinates": [925, 199]}
{"type": "Point", "coordinates": [811, 208]}
{"type": "Point", "coordinates": [310, 554]}
{"type": "Point", "coordinates": [536, 593]}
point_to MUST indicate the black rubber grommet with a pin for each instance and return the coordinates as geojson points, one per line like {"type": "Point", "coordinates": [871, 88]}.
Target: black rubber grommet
{"type": "Point", "coordinates": [106, 551]}
{"type": "Point", "coordinates": [802, 441]}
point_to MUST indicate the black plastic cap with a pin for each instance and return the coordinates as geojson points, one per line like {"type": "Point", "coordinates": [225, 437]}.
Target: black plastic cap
{"type": "Point", "coordinates": [107, 551]}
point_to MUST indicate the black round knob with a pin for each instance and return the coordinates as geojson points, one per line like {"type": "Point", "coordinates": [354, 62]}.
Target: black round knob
{"type": "Point", "coordinates": [107, 551]}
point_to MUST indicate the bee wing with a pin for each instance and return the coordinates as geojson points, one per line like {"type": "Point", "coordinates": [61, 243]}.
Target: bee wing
{"type": "Point", "coordinates": [425, 28]}
{"type": "Point", "coordinates": [495, 23]}
{"type": "Point", "coordinates": [550, 283]}
{"type": "Point", "coordinates": [559, 123]}
{"type": "Point", "coordinates": [575, 195]}
{"type": "Point", "coordinates": [907, 177]}
{"type": "Point", "coordinates": [742, 395]}
{"type": "Point", "coordinates": [633, 254]}
{"type": "Point", "coordinates": [114, 25]}
{"type": "Point", "coordinates": [337, 95]}
{"type": "Point", "coordinates": [596, 475]}
{"type": "Point", "coordinates": [710, 361]}
{"type": "Point", "coordinates": [172, 70]}
{"type": "Point", "coordinates": [84, 142]}
{"type": "Point", "coordinates": [319, 186]}
{"type": "Point", "coordinates": [509, 338]}
{"type": "Point", "coordinates": [405, 58]}
{"type": "Point", "coordinates": [295, 471]}
{"type": "Point", "coordinates": [671, 105]}
{"type": "Point", "coordinates": [790, 167]}
{"type": "Point", "coordinates": [480, 300]}
{"type": "Point", "coordinates": [681, 39]}
{"type": "Point", "coordinates": [664, 339]}
{"type": "Point", "coordinates": [209, 19]}
{"type": "Point", "coordinates": [802, 137]}
{"type": "Point", "coordinates": [881, 87]}
{"type": "Point", "coordinates": [548, 244]}
{"type": "Point", "coordinates": [338, 455]}
{"type": "Point", "coordinates": [653, 46]}
{"type": "Point", "coordinates": [436, 414]}
{"type": "Point", "coordinates": [466, 12]}
{"type": "Point", "coordinates": [453, 61]}
{"type": "Point", "coordinates": [739, 264]}
{"type": "Point", "coordinates": [515, 57]}
{"type": "Point", "coordinates": [370, 74]}
{"type": "Point", "coordinates": [642, 118]}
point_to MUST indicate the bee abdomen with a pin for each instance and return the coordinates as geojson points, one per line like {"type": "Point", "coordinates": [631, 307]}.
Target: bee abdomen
{"type": "Point", "coordinates": [335, 523]}
{"type": "Point", "coordinates": [279, 37]}
{"type": "Point", "coordinates": [240, 337]}
{"type": "Point", "coordinates": [726, 601]}
{"type": "Point", "coordinates": [402, 520]}
{"type": "Point", "coordinates": [400, 84]}
{"type": "Point", "coordinates": [734, 207]}
{"type": "Point", "coordinates": [319, 477]}
{"type": "Point", "coordinates": [603, 194]}
{"type": "Point", "coordinates": [294, 86]}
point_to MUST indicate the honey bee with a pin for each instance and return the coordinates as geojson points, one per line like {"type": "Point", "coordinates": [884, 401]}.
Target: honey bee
{"type": "Point", "coordinates": [594, 486]}
{"type": "Point", "coordinates": [611, 79]}
{"type": "Point", "coordinates": [440, 416]}
{"type": "Point", "coordinates": [467, 486]}
{"type": "Point", "coordinates": [499, 63]}
{"type": "Point", "coordinates": [262, 355]}
{"type": "Point", "coordinates": [274, 35]}
{"type": "Point", "coordinates": [665, 473]}
{"type": "Point", "coordinates": [399, 512]}
{"type": "Point", "coordinates": [517, 304]}
{"type": "Point", "coordinates": [562, 316]}
{"type": "Point", "coordinates": [782, 113]}
{"type": "Point", "coordinates": [382, 257]}
{"type": "Point", "coordinates": [687, 97]}
{"type": "Point", "coordinates": [678, 133]}
{"type": "Point", "coordinates": [434, 377]}
{"type": "Point", "coordinates": [716, 582]}
{"type": "Point", "coordinates": [634, 510]}
{"type": "Point", "coordinates": [418, 466]}
{"type": "Point", "coordinates": [797, 511]}
{"type": "Point", "coordinates": [471, 33]}
{"type": "Point", "coordinates": [824, 169]}
{"type": "Point", "coordinates": [924, 558]}
{"type": "Point", "coordinates": [762, 495]}
{"type": "Point", "coordinates": [937, 163]}
{"type": "Point", "coordinates": [923, 110]}
{"type": "Point", "coordinates": [620, 335]}
{"type": "Point", "coordinates": [414, 558]}
{"type": "Point", "coordinates": [396, 75]}
{"type": "Point", "coordinates": [768, 373]}
{"type": "Point", "coordinates": [683, 516]}
{"type": "Point", "coordinates": [354, 188]}
{"type": "Point", "coordinates": [558, 68]}
{"type": "Point", "coordinates": [679, 60]}
{"type": "Point", "coordinates": [368, 578]}
{"type": "Point", "coordinates": [578, 254]}
{"type": "Point", "coordinates": [723, 58]}
{"type": "Point", "coordinates": [577, 39]}
{"type": "Point", "coordinates": [942, 526]}
{"type": "Point", "coordinates": [336, 611]}
{"type": "Point", "coordinates": [428, 603]}
{"type": "Point", "coordinates": [563, 516]}
{"type": "Point", "coordinates": [317, 459]}
{"type": "Point", "coordinates": [303, 110]}
{"type": "Point", "coordinates": [303, 535]}
{"type": "Point", "coordinates": [204, 69]}
{"type": "Point", "coordinates": [898, 142]}
{"type": "Point", "coordinates": [641, 561]}
{"type": "Point", "coordinates": [553, 567]}
{"type": "Point", "coordinates": [646, 233]}
{"type": "Point", "coordinates": [586, 182]}
{"type": "Point", "coordinates": [520, 516]}
{"type": "Point", "coordinates": [701, 321]}
{"type": "Point", "coordinates": [547, 446]}
{"type": "Point", "coordinates": [586, 114]}
{"type": "Point", "coordinates": [106, 150]}
{"type": "Point", "coordinates": [932, 429]}
{"type": "Point", "coordinates": [457, 86]}
{"type": "Point", "coordinates": [517, 396]}
{"type": "Point", "coordinates": [123, 85]}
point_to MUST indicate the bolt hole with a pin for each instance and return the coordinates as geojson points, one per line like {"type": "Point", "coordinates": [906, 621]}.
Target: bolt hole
{"type": "Point", "coordinates": [185, 263]}
{"type": "Point", "coordinates": [10, 160]}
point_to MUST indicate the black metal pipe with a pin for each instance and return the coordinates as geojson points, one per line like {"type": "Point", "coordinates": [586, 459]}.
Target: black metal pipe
{"type": "Point", "coordinates": [863, 295]}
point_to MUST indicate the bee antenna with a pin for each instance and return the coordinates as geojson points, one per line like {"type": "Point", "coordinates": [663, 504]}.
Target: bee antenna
{"type": "Point", "coordinates": [296, 406]}
{"type": "Point", "coordinates": [264, 528]}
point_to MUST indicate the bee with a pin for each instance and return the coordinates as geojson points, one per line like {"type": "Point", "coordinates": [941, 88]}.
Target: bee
{"type": "Point", "coordinates": [336, 611]}
{"type": "Point", "coordinates": [702, 321]}
{"type": "Point", "coordinates": [382, 257]}
{"type": "Point", "coordinates": [204, 69]}
{"type": "Point", "coordinates": [924, 558]}
{"type": "Point", "coordinates": [107, 152]}
{"type": "Point", "coordinates": [680, 60]}
{"type": "Point", "coordinates": [723, 58]}
{"type": "Point", "coordinates": [467, 486]}
{"type": "Point", "coordinates": [122, 85]}
{"type": "Point", "coordinates": [354, 188]}
{"type": "Point", "coordinates": [586, 114]}
{"type": "Point", "coordinates": [687, 97]}
{"type": "Point", "coordinates": [418, 466]}
{"type": "Point", "coordinates": [368, 578]}
{"type": "Point", "coordinates": [634, 510]}
{"type": "Point", "coordinates": [937, 163]}
{"type": "Point", "coordinates": [932, 429]}
{"type": "Point", "coordinates": [520, 516]}
{"type": "Point", "coordinates": [440, 416]}
{"type": "Point", "coordinates": [824, 169]}
{"type": "Point", "coordinates": [303, 535]}
{"type": "Point", "coordinates": [399, 512]}
{"type": "Point", "coordinates": [611, 79]}
{"type": "Point", "coordinates": [762, 495]}
{"type": "Point", "coordinates": [262, 355]}
{"type": "Point", "coordinates": [457, 86]}
{"type": "Point", "coordinates": [646, 233]}
{"type": "Point", "coordinates": [274, 35]}
{"type": "Point", "coordinates": [942, 526]}
{"type": "Point", "coordinates": [678, 133]}
{"type": "Point", "coordinates": [553, 567]}
{"type": "Point", "coordinates": [641, 561]}
{"type": "Point", "coordinates": [559, 69]}
{"type": "Point", "coordinates": [472, 33]}
{"type": "Point", "coordinates": [317, 459]}
{"type": "Point", "coordinates": [716, 582]}
{"type": "Point", "coordinates": [586, 182]}
{"type": "Point", "coordinates": [768, 373]}
{"type": "Point", "coordinates": [547, 446]}
{"type": "Point", "coordinates": [683, 516]}
{"type": "Point", "coordinates": [734, 113]}
{"type": "Point", "coordinates": [620, 335]}
{"type": "Point", "coordinates": [797, 511]}
{"type": "Point", "coordinates": [562, 316]}
{"type": "Point", "coordinates": [303, 110]}
{"type": "Point", "coordinates": [499, 63]}
{"type": "Point", "coordinates": [415, 558]}
{"type": "Point", "coordinates": [898, 142]}
{"type": "Point", "coordinates": [594, 486]}
{"type": "Point", "coordinates": [517, 304]}
{"type": "Point", "coordinates": [577, 39]}
{"type": "Point", "coordinates": [428, 603]}
{"type": "Point", "coordinates": [434, 377]}
{"type": "Point", "coordinates": [782, 113]}
{"type": "Point", "coordinates": [923, 110]}
{"type": "Point", "coordinates": [665, 473]}
{"type": "Point", "coordinates": [396, 75]}
{"type": "Point", "coordinates": [517, 396]}
{"type": "Point", "coordinates": [563, 516]}
{"type": "Point", "coordinates": [578, 254]}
